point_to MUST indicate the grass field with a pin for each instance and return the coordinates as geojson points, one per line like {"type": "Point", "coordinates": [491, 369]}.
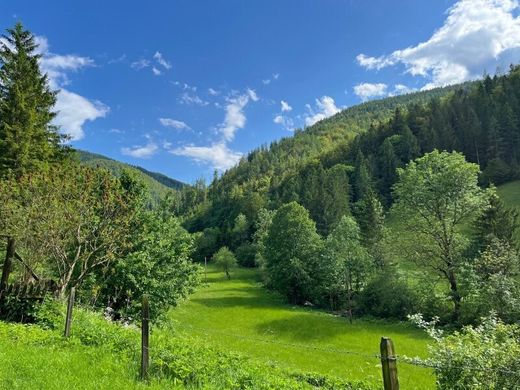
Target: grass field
{"type": "Point", "coordinates": [240, 315]}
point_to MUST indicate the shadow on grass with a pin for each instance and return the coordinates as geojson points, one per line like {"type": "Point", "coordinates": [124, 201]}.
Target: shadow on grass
{"type": "Point", "coordinates": [252, 300]}
{"type": "Point", "coordinates": [303, 327]}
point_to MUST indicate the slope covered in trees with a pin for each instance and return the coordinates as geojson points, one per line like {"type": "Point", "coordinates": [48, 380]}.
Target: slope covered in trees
{"type": "Point", "coordinates": [157, 183]}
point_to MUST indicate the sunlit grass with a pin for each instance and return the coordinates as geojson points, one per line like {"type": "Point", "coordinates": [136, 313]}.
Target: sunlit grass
{"type": "Point", "coordinates": [238, 314]}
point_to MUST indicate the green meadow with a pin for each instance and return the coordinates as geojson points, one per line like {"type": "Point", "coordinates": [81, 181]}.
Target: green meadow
{"type": "Point", "coordinates": [240, 315]}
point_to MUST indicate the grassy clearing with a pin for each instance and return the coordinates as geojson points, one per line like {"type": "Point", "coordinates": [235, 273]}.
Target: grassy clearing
{"type": "Point", "coordinates": [237, 314]}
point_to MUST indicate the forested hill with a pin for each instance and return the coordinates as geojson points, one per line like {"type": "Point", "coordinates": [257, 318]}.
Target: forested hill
{"type": "Point", "coordinates": [283, 156]}
{"type": "Point", "coordinates": [158, 183]}
{"type": "Point", "coordinates": [331, 166]}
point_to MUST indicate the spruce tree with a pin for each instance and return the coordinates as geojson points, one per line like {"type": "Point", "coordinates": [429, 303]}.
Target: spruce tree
{"type": "Point", "coordinates": [28, 139]}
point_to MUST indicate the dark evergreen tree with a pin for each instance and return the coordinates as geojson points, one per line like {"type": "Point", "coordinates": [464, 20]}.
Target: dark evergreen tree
{"type": "Point", "coordinates": [28, 139]}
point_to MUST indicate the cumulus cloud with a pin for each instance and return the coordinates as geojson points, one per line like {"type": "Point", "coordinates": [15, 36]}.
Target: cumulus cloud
{"type": "Point", "coordinates": [285, 106]}
{"type": "Point", "coordinates": [173, 123]}
{"type": "Point", "coordinates": [161, 61]}
{"type": "Point", "coordinates": [138, 151]}
{"type": "Point", "coordinates": [73, 109]}
{"type": "Point", "coordinates": [476, 35]}
{"type": "Point", "coordinates": [235, 118]}
{"type": "Point", "coordinates": [368, 90]}
{"type": "Point", "coordinates": [213, 92]}
{"type": "Point", "coordinates": [218, 155]}
{"type": "Point", "coordinates": [325, 107]}
{"type": "Point", "coordinates": [156, 72]}
{"type": "Point", "coordinates": [286, 122]}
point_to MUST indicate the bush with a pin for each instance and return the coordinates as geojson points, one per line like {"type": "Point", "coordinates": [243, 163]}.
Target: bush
{"type": "Point", "coordinates": [482, 357]}
{"type": "Point", "coordinates": [245, 255]}
{"type": "Point", "coordinates": [387, 296]}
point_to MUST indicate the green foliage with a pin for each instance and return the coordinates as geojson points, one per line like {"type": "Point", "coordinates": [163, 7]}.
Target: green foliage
{"type": "Point", "coordinates": [292, 252]}
{"type": "Point", "coordinates": [435, 195]}
{"type": "Point", "coordinates": [68, 220]}
{"type": "Point", "coordinates": [388, 296]}
{"type": "Point", "coordinates": [226, 260]}
{"type": "Point", "coordinates": [158, 264]}
{"type": "Point", "coordinates": [245, 254]}
{"type": "Point", "coordinates": [28, 140]}
{"type": "Point", "coordinates": [482, 357]}
{"type": "Point", "coordinates": [496, 221]}
{"type": "Point", "coordinates": [493, 283]}
{"type": "Point", "coordinates": [347, 263]}
{"type": "Point", "coordinates": [158, 185]}
{"type": "Point", "coordinates": [178, 360]}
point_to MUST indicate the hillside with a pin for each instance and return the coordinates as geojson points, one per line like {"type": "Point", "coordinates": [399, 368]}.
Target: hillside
{"type": "Point", "coordinates": [157, 183]}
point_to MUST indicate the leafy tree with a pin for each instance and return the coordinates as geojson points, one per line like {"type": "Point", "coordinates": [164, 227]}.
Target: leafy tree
{"type": "Point", "coordinates": [496, 221]}
{"type": "Point", "coordinates": [435, 195]}
{"type": "Point", "coordinates": [370, 217]}
{"type": "Point", "coordinates": [240, 229]}
{"type": "Point", "coordinates": [226, 260]}
{"type": "Point", "coordinates": [28, 140]}
{"type": "Point", "coordinates": [70, 220]}
{"type": "Point", "coordinates": [263, 222]}
{"type": "Point", "coordinates": [480, 357]}
{"type": "Point", "coordinates": [158, 264]}
{"type": "Point", "coordinates": [349, 262]}
{"type": "Point", "coordinates": [493, 283]}
{"type": "Point", "coordinates": [292, 250]}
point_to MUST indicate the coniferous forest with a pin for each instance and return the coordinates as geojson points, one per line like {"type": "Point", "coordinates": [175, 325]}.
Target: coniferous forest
{"type": "Point", "coordinates": [395, 211]}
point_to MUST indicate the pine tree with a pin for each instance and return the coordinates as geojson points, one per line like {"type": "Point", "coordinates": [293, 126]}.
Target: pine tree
{"type": "Point", "coordinates": [28, 139]}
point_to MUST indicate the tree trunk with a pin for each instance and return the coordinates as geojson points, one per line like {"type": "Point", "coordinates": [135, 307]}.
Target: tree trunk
{"type": "Point", "coordinates": [9, 255]}
{"type": "Point", "coordinates": [455, 296]}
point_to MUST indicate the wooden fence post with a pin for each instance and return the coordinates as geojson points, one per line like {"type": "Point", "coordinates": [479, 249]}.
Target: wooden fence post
{"type": "Point", "coordinates": [389, 364]}
{"type": "Point", "coordinates": [68, 318]}
{"type": "Point", "coordinates": [6, 269]}
{"type": "Point", "coordinates": [145, 332]}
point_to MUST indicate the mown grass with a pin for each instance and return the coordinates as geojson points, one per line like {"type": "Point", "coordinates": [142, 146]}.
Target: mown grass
{"type": "Point", "coordinates": [240, 315]}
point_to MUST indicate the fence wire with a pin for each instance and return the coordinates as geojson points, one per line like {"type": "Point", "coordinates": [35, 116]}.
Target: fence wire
{"type": "Point", "coordinates": [417, 362]}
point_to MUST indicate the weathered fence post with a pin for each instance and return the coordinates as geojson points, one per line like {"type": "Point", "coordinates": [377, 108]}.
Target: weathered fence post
{"type": "Point", "coordinates": [68, 318]}
{"type": "Point", "coordinates": [145, 332]}
{"type": "Point", "coordinates": [389, 364]}
{"type": "Point", "coordinates": [6, 270]}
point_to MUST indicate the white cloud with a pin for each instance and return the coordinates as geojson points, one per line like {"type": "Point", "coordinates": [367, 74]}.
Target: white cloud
{"type": "Point", "coordinates": [400, 89]}
{"type": "Point", "coordinates": [192, 98]}
{"type": "Point", "coordinates": [286, 122]}
{"type": "Point", "coordinates": [276, 75]}
{"type": "Point", "coordinates": [266, 81]}
{"type": "Point", "coordinates": [368, 90]}
{"type": "Point", "coordinates": [161, 61]}
{"type": "Point", "coordinates": [74, 110]}
{"type": "Point", "coordinates": [156, 72]}
{"type": "Point", "coordinates": [138, 151]}
{"type": "Point", "coordinates": [218, 155]}
{"type": "Point", "coordinates": [326, 107]}
{"type": "Point", "coordinates": [213, 92]}
{"type": "Point", "coordinates": [235, 118]}
{"type": "Point", "coordinates": [140, 64]}
{"type": "Point", "coordinates": [176, 124]}
{"type": "Point", "coordinates": [285, 106]}
{"type": "Point", "coordinates": [476, 35]}
{"type": "Point", "coordinates": [252, 94]}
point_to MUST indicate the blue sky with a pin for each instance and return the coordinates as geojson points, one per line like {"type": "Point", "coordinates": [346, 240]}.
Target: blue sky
{"type": "Point", "coordinates": [184, 87]}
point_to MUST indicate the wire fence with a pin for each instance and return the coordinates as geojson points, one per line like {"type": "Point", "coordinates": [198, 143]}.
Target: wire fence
{"type": "Point", "coordinates": [416, 362]}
